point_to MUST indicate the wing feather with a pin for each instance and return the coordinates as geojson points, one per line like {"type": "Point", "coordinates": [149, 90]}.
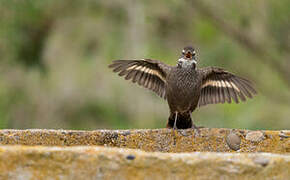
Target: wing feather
{"type": "Point", "coordinates": [240, 93]}
{"type": "Point", "coordinates": [235, 96]}
{"type": "Point", "coordinates": [148, 73]}
{"type": "Point", "coordinates": [220, 86]}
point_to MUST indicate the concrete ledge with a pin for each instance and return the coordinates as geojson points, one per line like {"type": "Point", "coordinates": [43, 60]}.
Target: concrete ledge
{"type": "Point", "coordinates": [160, 140]}
{"type": "Point", "coordinates": [79, 162]}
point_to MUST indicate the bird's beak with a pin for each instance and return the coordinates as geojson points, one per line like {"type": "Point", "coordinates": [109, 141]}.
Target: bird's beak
{"type": "Point", "coordinates": [188, 55]}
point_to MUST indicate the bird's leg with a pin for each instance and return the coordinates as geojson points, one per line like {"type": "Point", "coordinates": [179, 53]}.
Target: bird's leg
{"type": "Point", "coordinates": [194, 127]}
{"type": "Point", "coordinates": [174, 126]}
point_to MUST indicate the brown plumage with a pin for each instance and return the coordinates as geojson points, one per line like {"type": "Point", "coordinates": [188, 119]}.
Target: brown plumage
{"type": "Point", "coordinates": [185, 86]}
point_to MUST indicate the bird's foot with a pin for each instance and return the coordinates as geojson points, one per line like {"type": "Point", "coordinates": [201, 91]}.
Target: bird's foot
{"type": "Point", "coordinates": [196, 129]}
{"type": "Point", "coordinates": [174, 127]}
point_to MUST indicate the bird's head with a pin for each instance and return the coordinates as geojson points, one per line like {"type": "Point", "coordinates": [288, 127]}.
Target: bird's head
{"type": "Point", "coordinates": [187, 58]}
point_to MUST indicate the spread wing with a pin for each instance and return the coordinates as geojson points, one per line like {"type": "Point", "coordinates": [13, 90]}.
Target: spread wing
{"type": "Point", "coordinates": [148, 73]}
{"type": "Point", "coordinates": [220, 86]}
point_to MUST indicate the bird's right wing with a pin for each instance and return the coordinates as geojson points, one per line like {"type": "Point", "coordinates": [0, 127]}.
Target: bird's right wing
{"type": "Point", "coordinates": [148, 73]}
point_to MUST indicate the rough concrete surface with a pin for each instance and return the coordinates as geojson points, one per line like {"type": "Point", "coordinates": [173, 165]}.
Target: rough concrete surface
{"type": "Point", "coordinates": [158, 140]}
{"type": "Point", "coordinates": [92, 162]}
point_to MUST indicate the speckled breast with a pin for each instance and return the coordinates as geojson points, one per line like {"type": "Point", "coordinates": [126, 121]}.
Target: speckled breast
{"type": "Point", "coordinates": [183, 89]}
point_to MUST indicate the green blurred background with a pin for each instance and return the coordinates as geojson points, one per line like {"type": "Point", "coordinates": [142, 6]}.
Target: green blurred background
{"type": "Point", "coordinates": [54, 57]}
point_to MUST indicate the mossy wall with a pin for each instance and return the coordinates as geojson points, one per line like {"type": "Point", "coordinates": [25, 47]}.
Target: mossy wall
{"type": "Point", "coordinates": [161, 140]}
{"type": "Point", "coordinates": [82, 162]}
{"type": "Point", "coordinates": [66, 154]}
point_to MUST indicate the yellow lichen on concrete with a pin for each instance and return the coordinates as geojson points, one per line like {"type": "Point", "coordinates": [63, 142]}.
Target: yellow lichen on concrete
{"type": "Point", "coordinates": [84, 162]}
{"type": "Point", "coordinates": [159, 140]}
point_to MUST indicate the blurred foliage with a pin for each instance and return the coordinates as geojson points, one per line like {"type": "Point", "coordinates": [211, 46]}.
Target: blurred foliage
{"type": "Point", "coordinates": [54, 57]}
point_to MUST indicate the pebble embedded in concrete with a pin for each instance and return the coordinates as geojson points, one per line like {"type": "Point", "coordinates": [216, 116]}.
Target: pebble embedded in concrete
{"type": "Point", "coordinates": [261, 160]}
{"type": "Point", "coordinates": [255, 136]}
{"type": "Point", "coordinates": [130, 157]}
{"type": "Point", "coordinates": [233, 140]}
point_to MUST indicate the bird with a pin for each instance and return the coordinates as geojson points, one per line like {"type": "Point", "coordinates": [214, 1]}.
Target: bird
{"type": "Point", "coordinates": [185, 86]}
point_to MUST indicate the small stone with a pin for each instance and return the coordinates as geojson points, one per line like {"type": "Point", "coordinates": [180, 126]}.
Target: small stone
{"type": "Point", "coordinates": [282, 135]}
{"type": "Point", "coordinates": [233, 141]}
{"type": "Point", "coordinates": [17, 137]}
{"type": "Point", "coordinates": [185, 132]}
{"type": "Point", "coordinates": [262, 161]}
{"type": "Point", "coordinates": [130, 157]}
{"type": "Point", "coordinates": [221, 131]}
{"type": "Point", "coordinates": [125, 133]}
{"type": "Point", "coordinates": [255, 136]}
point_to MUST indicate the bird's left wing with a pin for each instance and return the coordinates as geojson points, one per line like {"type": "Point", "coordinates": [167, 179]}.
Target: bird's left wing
{"type": "Point", "coordinates": [220, 86]}
{"type": "Point", "coordinates": [148, 73]}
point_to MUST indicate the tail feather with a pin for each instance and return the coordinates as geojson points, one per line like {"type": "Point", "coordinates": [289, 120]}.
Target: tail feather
{"type": "Point", "coordinates": [183, 121]}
